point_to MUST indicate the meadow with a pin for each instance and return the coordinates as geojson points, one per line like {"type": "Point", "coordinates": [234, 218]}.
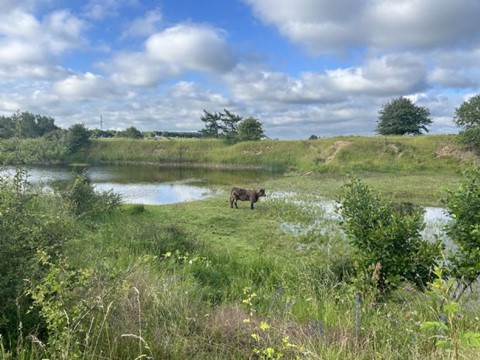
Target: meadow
{"type": "Point", "coordinates": [200, 280]}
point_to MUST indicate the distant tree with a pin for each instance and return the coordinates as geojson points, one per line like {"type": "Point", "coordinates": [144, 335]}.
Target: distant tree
{"type": "Point", "coordinates": [401, 116]}
{"type": "Point", "coordinates": [98, 133]}
{"type": "Point", "coordinates": [313, 137]}
{"type": "Point", "coordinates": [25, 125]}
{"type": "Point", "coordinates": [213, 124]}
{"type": "Point", "coordinates": [250, 129]}
{"type": "Point", "coordinates": [132, 132]}
{"type": "Point", "coordinates": [468, 114]}
{"type": "Point", "coordinates": [468, 117]}
{"type": "Point", "coordinates": [45, 124]}
{"type": "Point", "coordinates": [78, 137]}
{"type": "Point", "coordinates": [7, 127]}
{"type": "Point", "coordinates": [230, 122]}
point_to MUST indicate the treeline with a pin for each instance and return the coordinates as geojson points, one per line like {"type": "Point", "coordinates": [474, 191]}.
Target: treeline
{"type": "Point", "coordinates": [221, 125]}
{"type": "Point", "coordinates": [25, 125]}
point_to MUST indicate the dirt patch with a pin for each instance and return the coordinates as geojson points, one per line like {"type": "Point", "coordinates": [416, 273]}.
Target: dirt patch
{"type": "Point", "coordinates": [453, 152]}
{"type": "Point", "coordinates": [336, 147]}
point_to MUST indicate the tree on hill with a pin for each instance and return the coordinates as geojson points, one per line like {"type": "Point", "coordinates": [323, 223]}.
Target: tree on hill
{"type": "Point", "coordinates": [250, 129]}
{"type": "Point", "coordinates": [467, 116]}
{"type": "Point", "coordinates": [401, 117]}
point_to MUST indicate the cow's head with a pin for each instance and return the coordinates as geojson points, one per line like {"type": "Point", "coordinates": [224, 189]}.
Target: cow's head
{"type": "Point", "coordinates": [261, 192]}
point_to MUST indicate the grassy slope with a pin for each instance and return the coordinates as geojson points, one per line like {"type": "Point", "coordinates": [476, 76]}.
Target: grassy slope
{"type": "Point", "coordinates": [422, 153]}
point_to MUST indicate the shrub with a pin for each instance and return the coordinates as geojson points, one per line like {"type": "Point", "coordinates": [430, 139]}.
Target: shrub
{"type": "Point", "coordinates": [470, 137]}
{"type": "Point", "coordinates": [387, 238]}
{"type": "Point", "coordinates": [463, 205]}
{"type": "Point", "coordinates": [28, 222]}
{"type": "Point", "coordinates": [82, 199]}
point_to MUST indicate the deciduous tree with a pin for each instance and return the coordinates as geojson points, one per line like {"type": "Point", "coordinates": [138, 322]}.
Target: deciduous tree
{"type": "Point", "coordinates": [401, 116]}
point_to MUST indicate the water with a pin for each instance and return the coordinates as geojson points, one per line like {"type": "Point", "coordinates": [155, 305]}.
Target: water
{"type": "Point", "coordinates": [149, 185]}
{"type": "Point", "coordinates": [327, 219]}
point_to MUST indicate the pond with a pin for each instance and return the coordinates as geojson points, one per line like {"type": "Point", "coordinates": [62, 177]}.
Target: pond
{"type": "Point", "coordinates": [150, 185]}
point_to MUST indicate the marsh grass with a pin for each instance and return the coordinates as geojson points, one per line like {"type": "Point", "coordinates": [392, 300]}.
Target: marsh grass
{"type": "Point", "coordinates": [177, 281]}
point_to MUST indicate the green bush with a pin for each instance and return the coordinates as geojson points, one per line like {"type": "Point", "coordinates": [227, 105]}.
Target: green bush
{"type": "Point", "coordinates": [470, 137]}
{"type": "Point", "coordinates": [82, 199]}
{"type": "Point", "coordinates": [387, 238]}
{"type": "Point", "coordinates": [463, 205]}
{"type": "Point", "coordinates": [28, 222]}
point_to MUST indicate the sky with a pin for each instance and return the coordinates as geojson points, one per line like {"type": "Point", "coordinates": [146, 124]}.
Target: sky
{"type": "Point", "coordinates": [301, 67]}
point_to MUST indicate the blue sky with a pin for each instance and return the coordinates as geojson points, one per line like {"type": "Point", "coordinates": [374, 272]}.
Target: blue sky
{"type": "Point", "coordinates": [301, 67]}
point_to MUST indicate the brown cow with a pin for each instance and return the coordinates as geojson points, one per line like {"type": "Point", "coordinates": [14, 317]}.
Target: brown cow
{"type": "Point", "coordinates": [244, 194]}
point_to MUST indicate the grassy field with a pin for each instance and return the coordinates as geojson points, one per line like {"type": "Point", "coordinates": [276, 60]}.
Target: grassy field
{"type": "Point", "coordinates": [200, 280]}
{"type": "Point", "coordinates": [408, 154]}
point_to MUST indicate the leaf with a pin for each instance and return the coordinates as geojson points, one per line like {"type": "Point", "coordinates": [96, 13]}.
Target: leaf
{"type": "Point", "coordinates": [452, 307]}
{"type": "Point", "coordinates": [443, 344]}
{"type": "Point", "coordinates": [433, 326]}
{"type": "Point", "coordinates": [471, 339]}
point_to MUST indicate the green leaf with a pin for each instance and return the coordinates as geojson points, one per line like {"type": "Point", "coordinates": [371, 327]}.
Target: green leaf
{"type": "Point", "coordinates": [471, 339]}
{"type": "Point", "coordinates": [433, 326]}
{"type": "Point", "coordinates": [443, 344]}
{"type": "Point", "coordinates": [452, 307]}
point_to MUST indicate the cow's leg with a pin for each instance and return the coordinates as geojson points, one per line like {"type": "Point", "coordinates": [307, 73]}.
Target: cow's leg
{"type": "Point", "coordinates": [251, 205]}
{"type": "Point", "coordinates": [231, 201]}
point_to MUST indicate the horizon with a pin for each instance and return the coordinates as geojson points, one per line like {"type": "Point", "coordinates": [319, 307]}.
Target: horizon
{"type": "Point", "coordinates": [301, 67]}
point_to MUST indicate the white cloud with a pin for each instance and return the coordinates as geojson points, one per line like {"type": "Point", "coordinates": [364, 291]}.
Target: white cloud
{"type": "Point", "coordinates": [145, 25]}
{"type": "Point", "coordinates": [86, 86]}
{"type": "Point", "coordinates": [192, 46]}
{"type": "Point", "coordinates": [324, 27]}
{"type": "Point", "coordinates": [171, 53]}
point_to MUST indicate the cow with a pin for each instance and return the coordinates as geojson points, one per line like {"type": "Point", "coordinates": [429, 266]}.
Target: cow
{"type": "Point", "coordinates": [244, 194]}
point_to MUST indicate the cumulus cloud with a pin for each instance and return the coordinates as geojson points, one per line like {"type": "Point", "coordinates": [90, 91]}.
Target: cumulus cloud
{"type": "Point", "coordinates": [144, 25]}
{"type": "Point", "coordinates": [26, 41]}
{"type": "Point", "coordinates": [385, 76]}
{"type": "Point", "coordinates": [195, 47]}
{"type": "Point", "coordinates": [324, 27]}
{"type": "Point", "coordinates": [84, 86]}
{"type": "Point", "coordinates": [172, 52]}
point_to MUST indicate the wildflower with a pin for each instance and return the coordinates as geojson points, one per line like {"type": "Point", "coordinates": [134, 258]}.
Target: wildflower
{"type": "Point", "coordinates": [264, 326]}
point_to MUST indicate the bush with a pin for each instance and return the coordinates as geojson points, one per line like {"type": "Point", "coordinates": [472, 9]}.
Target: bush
{"type": "Point", "coordinates": [28, 223]}
{"type": "Point", "coordinates": [470, 137]}
{"type": "Point", "coordinates": [387, 238]}
{"type": "Point", "coordinates": [463, 205]}
{"type": "Point", "coordinates": [82, 199]}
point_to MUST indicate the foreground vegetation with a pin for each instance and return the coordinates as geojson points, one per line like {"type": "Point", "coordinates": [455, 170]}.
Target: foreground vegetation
{"type": "Point", "coordinates": [90, 279]}
{"type": "Point", "coordinates": [86, 277]}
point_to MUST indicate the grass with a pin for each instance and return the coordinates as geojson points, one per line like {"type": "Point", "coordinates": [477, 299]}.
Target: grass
{"type": "Point", "coordinates": [200, 280]}
{"type": "Point", "coordinates": [340, 154]}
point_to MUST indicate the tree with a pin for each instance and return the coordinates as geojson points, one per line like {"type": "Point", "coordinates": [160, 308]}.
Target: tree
{"type": "Point", "coordinates": [250, 129]}
{"type": "Point", "coordinates": [78, 137]}
{"type": "Point", "coordinates": [212, 124]}
{"type": "Point", "coordinates": [468, 117]}
{"type": "Point", "coordinates": [132, 132]}
{"type": "Point", "coordinates": [401, 116]}
{"type": "Point", "coordinates": [468, 114]}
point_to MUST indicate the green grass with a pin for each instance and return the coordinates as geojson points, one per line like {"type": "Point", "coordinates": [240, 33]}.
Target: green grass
{"type": "Point", "coordinates": [340, 154]}
{"type": "Point", "coordinates": [198, 279]}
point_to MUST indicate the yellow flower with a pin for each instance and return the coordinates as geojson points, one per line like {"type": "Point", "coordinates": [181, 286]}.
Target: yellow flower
{"type": "Point", "coordinates": [264, 326]}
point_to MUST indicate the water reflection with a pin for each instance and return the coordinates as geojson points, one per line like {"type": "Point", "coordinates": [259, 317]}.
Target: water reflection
{"type": "Point", "coordinates": [140, 184]}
